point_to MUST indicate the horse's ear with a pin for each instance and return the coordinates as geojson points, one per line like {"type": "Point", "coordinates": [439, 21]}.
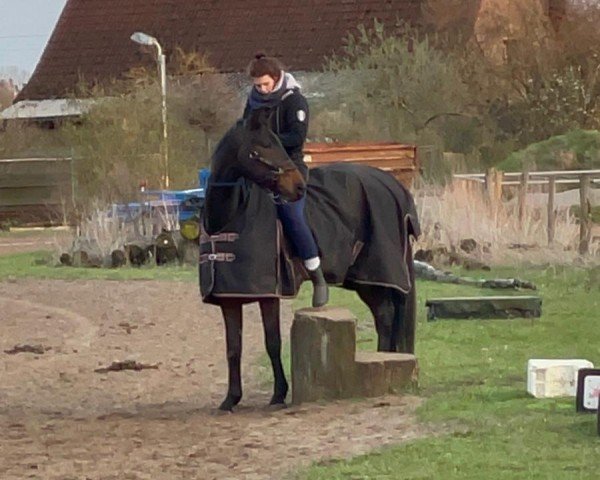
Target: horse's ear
{"type": "Point", "coordinates": [254, 122]}
{"type": "Point", "coordinates": [269, 113]}
{"type": "Point", "coordinates": [261, 118]}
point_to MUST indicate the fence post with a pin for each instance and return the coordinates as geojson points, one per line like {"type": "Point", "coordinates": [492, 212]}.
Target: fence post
{"type": "Point", "coordinates": [523, 197]}
{"type": "Point", "coordinates": [551, 210]}
{"type": "Point", "coordinates": [493, 187]}
{"type": "Point", "coordinates": [585, 227]}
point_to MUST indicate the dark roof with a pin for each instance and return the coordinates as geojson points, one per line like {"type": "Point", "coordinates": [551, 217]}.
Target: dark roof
{"type": "Point", "coordinates": [91, 39]}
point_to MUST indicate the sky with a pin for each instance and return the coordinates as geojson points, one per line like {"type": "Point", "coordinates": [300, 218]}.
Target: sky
{"type": "Point", "coordinates": [25, 27]}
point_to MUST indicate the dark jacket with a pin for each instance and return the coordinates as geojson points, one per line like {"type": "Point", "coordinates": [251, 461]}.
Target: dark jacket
{"type": "Point", "coordinates": [290, 123]}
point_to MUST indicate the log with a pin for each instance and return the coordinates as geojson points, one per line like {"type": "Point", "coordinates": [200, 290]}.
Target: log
{"type": "Point", "coordinates": [484, 307]}
{"type": "Point", "coordinates": [323, 345]}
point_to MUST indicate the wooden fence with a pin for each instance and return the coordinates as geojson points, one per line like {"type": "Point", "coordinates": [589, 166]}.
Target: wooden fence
{"type": "Point", "coordinates": [35, 191]}
{"type": "Point", "coordinates": [494, 182]}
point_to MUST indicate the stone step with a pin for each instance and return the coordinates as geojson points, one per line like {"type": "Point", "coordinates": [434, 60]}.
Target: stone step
{"type": "Point", "coordinates": [484, 307]}
{"type": "Point", "coordinates": [381, 373]}
{"type": "Point", "coordinates": [325, 364]}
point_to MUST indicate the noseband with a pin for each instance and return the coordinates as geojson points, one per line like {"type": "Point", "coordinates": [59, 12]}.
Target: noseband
{"type": "Point", "coordinates": [275, 171]}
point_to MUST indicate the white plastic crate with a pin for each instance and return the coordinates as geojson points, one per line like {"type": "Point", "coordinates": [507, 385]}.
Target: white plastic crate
{"type": "Point", "coordinates": [548, 378]}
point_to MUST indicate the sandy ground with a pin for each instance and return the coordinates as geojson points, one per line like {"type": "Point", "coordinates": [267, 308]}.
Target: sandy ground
{"type": "Point", "coordinates": [59, 419]}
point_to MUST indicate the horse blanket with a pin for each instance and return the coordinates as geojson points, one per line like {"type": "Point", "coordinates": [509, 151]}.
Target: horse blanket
{"type": "Point", "coordinates": [361, 217]}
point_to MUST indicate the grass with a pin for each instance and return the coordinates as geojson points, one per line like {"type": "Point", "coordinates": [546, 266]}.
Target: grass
{"type": "Point", "coordinates": [472, 374]}
{"type": "Point", "coordinates": [40, 265]}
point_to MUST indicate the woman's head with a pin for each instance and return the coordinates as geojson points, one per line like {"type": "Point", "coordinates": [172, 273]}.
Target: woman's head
{"type": "Point", "coordinates": [265, 72]}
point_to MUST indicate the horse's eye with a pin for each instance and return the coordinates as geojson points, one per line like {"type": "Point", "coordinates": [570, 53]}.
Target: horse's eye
{"type": "Point", "coordinates": [253, 154]}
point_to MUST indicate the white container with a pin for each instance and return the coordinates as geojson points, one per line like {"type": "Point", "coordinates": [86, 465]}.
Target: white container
{"type": "Point", "coordinates": [549, 378]}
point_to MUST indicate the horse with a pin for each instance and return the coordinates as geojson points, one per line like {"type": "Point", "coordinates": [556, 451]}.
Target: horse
{"type": "Point", "coordinates": [251, 154]}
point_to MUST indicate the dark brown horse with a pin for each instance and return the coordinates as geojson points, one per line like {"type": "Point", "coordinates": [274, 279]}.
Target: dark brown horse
{"type": "Point", "coordinates": [251, 151]}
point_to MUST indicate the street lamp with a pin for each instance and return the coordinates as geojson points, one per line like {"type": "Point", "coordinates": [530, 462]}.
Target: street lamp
{"type": "Point", "coordinates": [145, 39]}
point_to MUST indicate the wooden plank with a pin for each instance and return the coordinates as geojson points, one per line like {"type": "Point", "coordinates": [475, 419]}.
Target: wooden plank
{"type": "Point", "coordinates": [523, 197]}
{"type": "Point", "coordinates": [352, 147]}
{"type": "Point", "coordinates": [35, 166]}
{"type": "Point", "coordinates": [547, 173]}
{"type": "Point", "coordinates": [358, 156]}
{"type": "Point", "coordinates": [33, 196]}
{"type": "Point", "coordinates": [37, 179]}
{"type": "Point", "coordinates": [484, 307]}
{"type": "Point", "coordinates": [551, 210]}
{"type": "Point", "coordinates": [585, 220]}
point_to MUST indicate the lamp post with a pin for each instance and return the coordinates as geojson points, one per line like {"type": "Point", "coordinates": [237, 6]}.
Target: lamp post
{"type": "Point", "coordinates": [145, 39]}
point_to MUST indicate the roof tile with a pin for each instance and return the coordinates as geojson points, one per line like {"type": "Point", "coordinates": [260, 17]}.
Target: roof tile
{"type": "Point", "coordinates": [91, 38]}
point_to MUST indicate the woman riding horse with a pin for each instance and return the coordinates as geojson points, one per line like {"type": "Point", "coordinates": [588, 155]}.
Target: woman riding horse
{"type": "Point", "coordinates": [278, 90]}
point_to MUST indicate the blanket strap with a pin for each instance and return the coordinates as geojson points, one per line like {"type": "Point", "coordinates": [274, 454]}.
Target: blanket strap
{"type": "Point", "coordinates": [217, 257]}
{"type": "Point", "coordinates": [221, 237]}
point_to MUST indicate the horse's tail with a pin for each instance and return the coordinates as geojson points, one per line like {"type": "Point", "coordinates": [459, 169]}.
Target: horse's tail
{"type": "Point", "coordinates": [405, 311]}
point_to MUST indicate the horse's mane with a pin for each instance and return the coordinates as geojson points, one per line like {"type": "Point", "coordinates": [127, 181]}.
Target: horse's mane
{"type": "Point", "coordinates": [229, 143]}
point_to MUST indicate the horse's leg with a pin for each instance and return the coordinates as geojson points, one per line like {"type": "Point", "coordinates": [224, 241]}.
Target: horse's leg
{"type": "Point", "coordinates": [380, 301]}
{"type": "Point", "coordinates": [232, 314]}
{"type": "Point", "coordinates": [270, 311]}
{"type": "Point", "coordinates": [406, 311]}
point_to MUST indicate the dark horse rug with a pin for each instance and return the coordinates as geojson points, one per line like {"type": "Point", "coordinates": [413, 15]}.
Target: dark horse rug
{"type": "Point", "coordinates": [361, 217]}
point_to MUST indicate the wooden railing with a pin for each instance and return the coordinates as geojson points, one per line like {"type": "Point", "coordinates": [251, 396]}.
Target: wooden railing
{"type": "Point", "coordinates": [494, 180]}
{"type": "Point", "coordinates": [35, 191]}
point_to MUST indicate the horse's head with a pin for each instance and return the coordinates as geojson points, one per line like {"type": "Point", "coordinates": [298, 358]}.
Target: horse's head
{"type": "Point", "coordinates": [264, 161]}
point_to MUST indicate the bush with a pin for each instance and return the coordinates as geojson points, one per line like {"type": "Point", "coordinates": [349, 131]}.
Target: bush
{"type": "Point", "coordinates": [400, 87]}
{"type": "Point", "coordinates": [578, 149]}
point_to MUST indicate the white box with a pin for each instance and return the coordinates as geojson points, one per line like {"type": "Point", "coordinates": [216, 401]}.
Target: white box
{"type": "Point", "coordinates": [549, 378]}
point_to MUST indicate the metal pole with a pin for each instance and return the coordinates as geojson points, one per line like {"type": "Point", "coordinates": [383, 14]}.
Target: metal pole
{"type": "Point", "coordinates": [163, 85]}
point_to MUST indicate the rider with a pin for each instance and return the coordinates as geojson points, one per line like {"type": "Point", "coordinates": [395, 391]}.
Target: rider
{"type": "Point", "coordinates": [275, 88]}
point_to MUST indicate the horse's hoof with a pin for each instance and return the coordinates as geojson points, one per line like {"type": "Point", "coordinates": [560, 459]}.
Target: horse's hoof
{"type": "Point", "coordinates": [229, 403]}
{"type": "Point", "coordinates": [275, 407]}
{"type": "Point", "coordinates": [222, 413]}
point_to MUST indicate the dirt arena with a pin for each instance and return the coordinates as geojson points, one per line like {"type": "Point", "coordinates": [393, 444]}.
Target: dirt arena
{"type": "Point", "coordinates": [60, 419]}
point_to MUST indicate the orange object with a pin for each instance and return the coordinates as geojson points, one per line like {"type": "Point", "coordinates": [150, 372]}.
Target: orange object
{"type": "Point", "coordinates": [399, 159]}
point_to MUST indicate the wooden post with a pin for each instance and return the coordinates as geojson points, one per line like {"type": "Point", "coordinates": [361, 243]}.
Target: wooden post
{"type": "Point", "coordinates": [493, 188]}
{"type": "Point", "coordinates": [498, 185]}
{"type": "Point", "coordinates": [585, 223]}
{"type": "Point", "coordinates": [523, 197]}
{"type": "Point", "coordinates": [489, 184]}
{"type": "Point", "coordinates": [551, 210]}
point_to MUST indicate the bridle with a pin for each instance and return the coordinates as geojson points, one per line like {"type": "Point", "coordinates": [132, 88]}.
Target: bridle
{"type": "Point", "coordinates": [273, 168]}
{"type": "Point", "coordinates": [275, 172]}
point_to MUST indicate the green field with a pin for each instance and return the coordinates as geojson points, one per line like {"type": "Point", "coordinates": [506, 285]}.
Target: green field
{"type": "Point", "coordinates": [472, 375]}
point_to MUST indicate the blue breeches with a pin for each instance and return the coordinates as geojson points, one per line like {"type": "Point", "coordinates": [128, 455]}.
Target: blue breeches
{"type": "Point", "coordinates": [296, 229]}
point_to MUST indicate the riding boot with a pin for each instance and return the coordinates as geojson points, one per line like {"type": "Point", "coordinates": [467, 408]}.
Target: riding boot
{"type": "Point", "coordinates": [320, 288]}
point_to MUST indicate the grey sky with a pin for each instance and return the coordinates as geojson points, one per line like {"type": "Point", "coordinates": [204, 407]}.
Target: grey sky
{"type": "Point", "coordinates": [25, 27]}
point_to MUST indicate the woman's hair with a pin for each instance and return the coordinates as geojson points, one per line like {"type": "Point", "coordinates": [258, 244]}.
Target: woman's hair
{"type": "Point", "coordinates": [263, 65]}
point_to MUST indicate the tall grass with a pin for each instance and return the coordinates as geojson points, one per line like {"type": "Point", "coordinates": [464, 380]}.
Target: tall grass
{"type": "Point", "coordinates": [105, 229]}
{"type": "Point", "coordinates": [460, 210]}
